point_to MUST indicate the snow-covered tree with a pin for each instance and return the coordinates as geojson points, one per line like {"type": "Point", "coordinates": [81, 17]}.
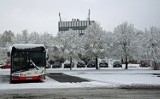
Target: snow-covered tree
{"type": "Point", "coordinates": [125, 37]}
{"type": "Point", "coordinates": [7, 37]}
{"type": "Point", "coordinates": [3, 54]}
{"type": "Point", "coordinates": [68, 43]}
{"type": "Point", "coordinates": [46, 39]}
{"type": "Point", "coordinates": [1, 41]}
{"type": "Point", "coordinates": [25, 36]}
{"type": "Point", "coordinates": [34, 37]}
{"type": "Point", "coordinates": [94, 41]}
{"type": "Point", "coordinates": [110, 46]}
{"type": "Point", "coordinates": [151, 44]}
{"type": "Point", "coordinates": [17, 39]}
{"type": "Point", "coordinates": [21, 38]}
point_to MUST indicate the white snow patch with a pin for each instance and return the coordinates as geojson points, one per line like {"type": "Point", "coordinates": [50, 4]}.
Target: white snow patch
{"type": "Point", "coordinates": [109, 78]}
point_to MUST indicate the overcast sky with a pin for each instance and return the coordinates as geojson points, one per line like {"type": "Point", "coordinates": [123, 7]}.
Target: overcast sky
{"type": "Point", "coordinates": [42, 15]}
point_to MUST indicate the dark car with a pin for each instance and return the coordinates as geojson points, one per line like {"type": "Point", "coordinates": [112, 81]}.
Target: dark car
{"type": "Point", "coordinates": [117, 64]}
{"type": "Point", "coordinates": [5, 66]}
{"type": "Point", "coordinates": [91, 63]}
{"type": "Point", "coordinates": [67, 64]}
{"type": "Point", "coordinates": [57, 65]}
{"type": "Point", "coordinates": [103, 63]}
{"type": "Point", "coordinates": [144, 63]}
{"type": "Point", "coordinates": [80, 64]}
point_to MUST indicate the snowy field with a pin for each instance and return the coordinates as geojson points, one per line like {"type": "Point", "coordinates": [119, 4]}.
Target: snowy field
{"type": "Point", "coordinates": [105, 77]}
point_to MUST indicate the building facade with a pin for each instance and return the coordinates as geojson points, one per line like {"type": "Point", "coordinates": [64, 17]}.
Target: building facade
{"type": "Point", "coordinates": [75, 24]}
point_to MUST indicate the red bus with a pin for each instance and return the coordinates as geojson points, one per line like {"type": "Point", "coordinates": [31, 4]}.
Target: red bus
{"type": "Point", "coordinates": [28, 62]}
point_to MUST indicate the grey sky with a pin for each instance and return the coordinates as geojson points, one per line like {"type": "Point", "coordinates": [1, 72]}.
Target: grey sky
{"type": "Point", "coordinates": [42, 15]}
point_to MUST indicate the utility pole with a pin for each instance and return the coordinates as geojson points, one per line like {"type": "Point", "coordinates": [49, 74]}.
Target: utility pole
{"type": "Point", "coordinates": [59, 22]}
{"type": "Point", "coordinates": [89, 17]}
{"type": "Point", "coordinates": [60, 17]}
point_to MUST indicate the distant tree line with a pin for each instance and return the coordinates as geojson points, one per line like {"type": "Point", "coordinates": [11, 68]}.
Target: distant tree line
{"type": "Point", "coordinates": [125, 43]}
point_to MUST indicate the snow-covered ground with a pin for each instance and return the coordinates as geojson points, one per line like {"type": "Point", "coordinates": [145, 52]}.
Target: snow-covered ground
{"type": "Point", "coordinates": [106, 77]}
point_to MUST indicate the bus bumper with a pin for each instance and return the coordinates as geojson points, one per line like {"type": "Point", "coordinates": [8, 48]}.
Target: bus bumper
{"type": "Point", "coordinates": [16, 78]}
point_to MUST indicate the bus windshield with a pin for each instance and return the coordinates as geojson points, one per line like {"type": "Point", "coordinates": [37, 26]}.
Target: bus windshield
{"type": "Point", "coordinates": [24, 61]}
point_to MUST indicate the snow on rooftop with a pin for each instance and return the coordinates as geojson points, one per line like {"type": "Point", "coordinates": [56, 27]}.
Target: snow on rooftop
{"type": "Point", "coordinates": [27, 46]}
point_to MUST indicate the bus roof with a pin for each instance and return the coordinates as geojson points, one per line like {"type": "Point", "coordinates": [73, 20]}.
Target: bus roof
{"type": "Point", "coordinates": [27, 46]}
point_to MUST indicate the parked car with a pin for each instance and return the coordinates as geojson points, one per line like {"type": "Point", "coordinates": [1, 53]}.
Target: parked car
{"type": "Point", "coordinates": [6, 66]}
{"type": "Point", "coordinates": [145, 63]}
{"type": "Point", "coordinates": [91, 63]}
{"type": "Point", "coordinates": [57, 65]}
{"type": "Point", "coordinates": [117, 63]}
{"type": "Point", "coordinates": [103, 63]}
{"type": "Point", "coordinates": [67, 64]}
{"type": "Point", "coordinates": [50, 64]}
{"type": "Point", "coordinates": [80, 64]}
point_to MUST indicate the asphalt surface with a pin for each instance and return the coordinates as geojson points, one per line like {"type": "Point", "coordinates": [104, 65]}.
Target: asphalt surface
{"type": "Point", "coordinates": [80, 93]}
{"type": "Point", "coordinates": [60, 77]}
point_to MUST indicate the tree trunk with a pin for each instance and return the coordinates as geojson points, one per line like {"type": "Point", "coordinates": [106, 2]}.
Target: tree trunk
{"type": "Point", "coordinates": [155, 65]}
{"type": "Point", "coordinates": [97, 63]}
{"type": "Point", "coordinates": [70, 63]}
{"type": "Point", "coordinates": [126, 63]}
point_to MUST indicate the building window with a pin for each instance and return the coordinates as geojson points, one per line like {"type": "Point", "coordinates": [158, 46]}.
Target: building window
{"type": "Point", "coordinates": [69, 24]}
{"type": "Point", "coordinates": [66, 24]}
{"type": "Point", "coordinates": [63, 25]}
{"type": "Point", "coordinates": [78, 24]}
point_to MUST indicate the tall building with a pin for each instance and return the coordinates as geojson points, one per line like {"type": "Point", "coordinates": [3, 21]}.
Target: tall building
{"type": "Point", "coordinates": [76, 24]}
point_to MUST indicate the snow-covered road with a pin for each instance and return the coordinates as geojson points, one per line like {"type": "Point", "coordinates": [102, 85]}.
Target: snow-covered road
{"type": "Point", "coordinates": [109, 78]}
